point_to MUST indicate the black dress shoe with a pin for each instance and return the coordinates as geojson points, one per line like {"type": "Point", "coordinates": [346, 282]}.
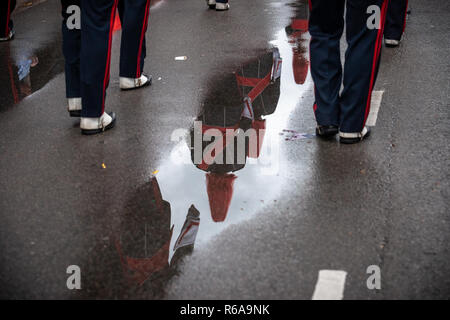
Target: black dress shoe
{"type": "Point", "coordinates": [351, 138]}
{"type": "Point", "coordinates": [211, 4]}
{"type": "Point", "coordinates": [391, 43]}
{"type": "Point", "coordinates": [326, 132]}
{"type": "Point", "coordinates": [75, 113]}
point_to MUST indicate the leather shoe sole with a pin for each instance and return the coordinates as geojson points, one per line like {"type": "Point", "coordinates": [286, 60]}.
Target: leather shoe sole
{"type": "Point", "coordinates": [326, 132]}
{"type": "Point", "coordinates": [355, 140]}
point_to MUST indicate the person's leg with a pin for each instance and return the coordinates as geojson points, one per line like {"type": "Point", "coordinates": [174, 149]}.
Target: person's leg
{"type": "Point", "coordinates": [71, 48]}
{"type": "Point", "coordinates": [6, 23]}
{"type": "Point", "coordinates": [396, 19]}
{"type": "Point", "coordinates": [97, 21]}
{"type": "Point", "coordinates": [326, 26]}
{"type": "Point", "coordinates": [134, 18]}
{"type": "Point", "coordinates": [361, 64]}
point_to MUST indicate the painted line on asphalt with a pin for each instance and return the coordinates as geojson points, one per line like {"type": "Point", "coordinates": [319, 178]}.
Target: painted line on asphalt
{"type": "Point", "coordinates": [377, 97]}
{"type": "Point", "coordinates": [330, 285]}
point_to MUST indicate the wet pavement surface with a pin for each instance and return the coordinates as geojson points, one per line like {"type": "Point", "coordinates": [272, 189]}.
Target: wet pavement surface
{"type": "Point", "coordinates": [142, 219]}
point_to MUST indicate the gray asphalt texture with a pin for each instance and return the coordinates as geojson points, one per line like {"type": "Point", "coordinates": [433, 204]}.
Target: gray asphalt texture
{"type": "Point", "coordinates": [382, 202]}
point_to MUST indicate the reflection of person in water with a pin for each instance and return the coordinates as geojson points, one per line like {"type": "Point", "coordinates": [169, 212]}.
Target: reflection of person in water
{"type": "Point", "coordinates": [231, 112]}
{"type": "Point", "coordinates": [145, 236]}
{"type": "Point", "coordinates": [25, 73]}
{"type": "Point", "coordinates": [295, 32]}
{"type": "Point", "coordinates": [18, 76]}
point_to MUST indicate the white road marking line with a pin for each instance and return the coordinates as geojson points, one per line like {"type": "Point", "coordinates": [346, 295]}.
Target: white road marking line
{"type": "Point", "coordinates": [377, 96]}
{"type": "Point", "coordinates": [330, 285]}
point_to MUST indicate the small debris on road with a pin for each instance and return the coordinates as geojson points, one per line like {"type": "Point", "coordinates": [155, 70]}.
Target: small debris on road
{"type": "Point", "coordinates": [294, 135]}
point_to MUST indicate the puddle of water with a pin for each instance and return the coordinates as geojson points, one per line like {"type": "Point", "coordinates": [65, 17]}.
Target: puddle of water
{"type": "Point", "coordinates": [27, 71]}
{"type": "Point", "coordinates": [201, 201]}
{"type": "Point", "coordinates": [254, 186]}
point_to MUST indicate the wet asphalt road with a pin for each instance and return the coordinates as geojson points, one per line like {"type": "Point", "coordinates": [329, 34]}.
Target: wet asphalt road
{"type": "Point", "coordinates": [116, 204]}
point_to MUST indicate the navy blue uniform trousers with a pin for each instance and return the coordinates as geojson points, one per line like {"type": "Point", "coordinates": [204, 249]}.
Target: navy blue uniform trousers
{"type": "Point", "coordinates": [396, 19]}
{"type": "Point", "coordinates": [134, 19]}
{"type": "Point", "coordinates": [87, 51]}
{"type": "Point", "coordinates": [6, 24]}
{"type": "Point", "coordinates": [348, 110]}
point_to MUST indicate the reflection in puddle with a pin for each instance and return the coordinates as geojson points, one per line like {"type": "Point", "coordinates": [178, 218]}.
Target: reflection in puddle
{"type": "Point", "coordinates": [194, 201]}
{"type": "Point", "coordinates": [26, 71]}
{"type": "Point", "coordinates": [145, 235]}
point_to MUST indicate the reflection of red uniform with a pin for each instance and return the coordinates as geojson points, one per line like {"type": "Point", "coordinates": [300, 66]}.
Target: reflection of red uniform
{"type": "Point", "coordinates": [219, 185]}
{"type": "Point", "coordinates": [260, 127]}
{"type": "Point", "coordinates": [220, 191]}
{"type": "Point", "coordinates": [145, 236]}
{"type": "Point", "coordinates": [300, 63]}
{"type": "Point", "coordinates": [258, 84]}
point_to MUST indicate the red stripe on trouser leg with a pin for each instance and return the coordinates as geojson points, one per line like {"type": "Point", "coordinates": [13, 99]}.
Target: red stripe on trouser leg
{"type": "Point", "coordinates": [7, 18]}
{"type": "Point", "coordinates": [406, 13]}
{"type": "Point", "coordinates": [310, 39]}
{"type": "Point", "coordinates": [11, 77]}
{"type": "Point", "coordinates": [144, 28]}
{"type": "Point", "coordinates": [376, 57]}
{"type": "Point", "coordinates": [117, 24]}
{"type": "Point", "coordinates": [108, 59]}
